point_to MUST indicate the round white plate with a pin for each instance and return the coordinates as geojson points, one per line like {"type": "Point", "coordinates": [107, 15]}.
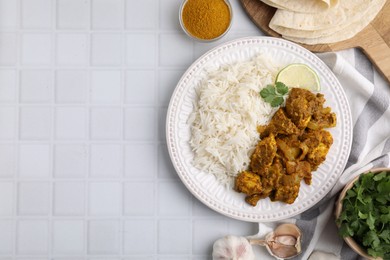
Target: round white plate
{"type": "Point", "coordinates": [204, 186]}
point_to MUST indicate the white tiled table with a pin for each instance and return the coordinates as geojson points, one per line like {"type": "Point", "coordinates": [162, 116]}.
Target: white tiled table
{"type": "Point", "coordinates": [84, 169]}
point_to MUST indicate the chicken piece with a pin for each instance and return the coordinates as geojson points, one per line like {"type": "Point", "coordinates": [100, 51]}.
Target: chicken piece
{"type": "Point", "coordinates": [322, 118]}
{"type": "Point", "coordinates": [263, 155]}
{"type": "Point", "coordinates": [253, 199]}
{"type": "Point", "coordinates": [319, 143]}
{"type": "Point", "coordinates": [248, 183]}
{"type": "Point", "coordinates": [279, 124]}
{"type": "Point", "coordinates": [300, 105]}
{"type": "Point", "coordinates": [291, 147]}
{"type": "Point", "coordinates": [271, 179]}
{"type": "Point", "coordinates": [302, 168]}
{"type": "Point", "coordinates": [287, 189]}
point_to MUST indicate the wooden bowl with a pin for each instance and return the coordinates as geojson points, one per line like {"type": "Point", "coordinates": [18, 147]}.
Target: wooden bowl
{"type": "Point", "coordinates": [339, 206]}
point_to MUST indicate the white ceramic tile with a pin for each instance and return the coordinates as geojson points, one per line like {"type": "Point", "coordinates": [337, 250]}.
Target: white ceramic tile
{"type": "Point", "coordinates": [34, 198]}
{"type": "Point", "coordinates": [139, 198]}
{"type": "Point", "coordinates": [140, 161]}
{"type": "Point", "coordinates": [68, 237]}
{"type": "Point", "coordinates": [103, 237]}
{"type": "Point", "coordinates": [69, 198]}
{"type": "Point", "coordinates": [72, 14]}
{"type": "Point", "coordinates": [141, 14]}
{"type": "Point", "coordinates": [105, 198]}
{"type": "Point", "coordinates": [9, 14]}
{"type": "Point", "coordinates": [178, 46]}
{"type": "Point", "coordinates": [139, 258]}
{"type": "Point", "coordinates": [36, 86]}
{"type": "Point", "coordinates": [135, 115]}
{"type": "Point", "coordinates": [7, 237]}
{"type": "Point", "coordinates": [141, 49]}
{"type": "Point", "coordinates": [201, 48]}
{"type": "Point", "coordinates": [241, 22]}
{"type": "Point", "coordinates": [36, 48]}
{"type": "Point", "coordinates": [70, 160]}
{"type": "Point", "coordinates": [106, 123]}
{"type": "Point", "coordinates": [107, 14]}
{"type": "Point", "coordinates": [72, 49]}
{"type": "Point", "coordinates": [8, 122]}
{"type": "Point", "coordinates": [162, 117]}
{"type": "Point", "coordinates": [36, 14]}
{"type": "Point", "coordinates": [35, 122]}
{"type": "Point", "coordinates": [8, 86]}
{"type": "Point", "coordinates": [7, 160]}
{"type": "Point", "coordinates": [32, 237]}
{"type": "Point", "coordinates": [34, 161]}
{"type": "Point", "coordinates": [71, 86]}
{"type": "Point", "coordinates": [241, 228]}
{"type": "Point", "coordinates": [70, 122]}
{"type": "Point", "coordinates": [167, 80]}
{"type": "Point", "coordinates": [139, 236]}
{"type": "Point", "coordinates": [165, 166]}
{"type": "Point", "coordinates": [106, 86]}
{"type": "Point", "coordinates": [173, 193]}
{"type": "Point", "coordinates": [170, 257]}
{"type": "Point", "coordinates": [206, 232]}
{"type": "Point", "coordinates": [106, 160]}
{"type": "Point", "coordinates": [174, 236]}
{"type": "Point", "coordinates": [201, 210]}
{"type": "Point", "coordinates": [7, 202]}
{"type": "Point", "coordinates": [106, 49]}
{"type": "Point", "coordinates": [8, 50]}
{"type": "Point", "coordinates": [140, 87]}
{"type": "Point", "coordinates": [169, 14]}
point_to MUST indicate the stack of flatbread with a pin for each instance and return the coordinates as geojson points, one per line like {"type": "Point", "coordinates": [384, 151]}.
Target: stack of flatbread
{"type": "Point", "coordinates": [322, 21]}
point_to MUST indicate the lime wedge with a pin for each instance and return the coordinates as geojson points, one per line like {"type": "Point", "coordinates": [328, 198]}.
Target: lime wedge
{"type": "Point", "coordinates": [298, 75]}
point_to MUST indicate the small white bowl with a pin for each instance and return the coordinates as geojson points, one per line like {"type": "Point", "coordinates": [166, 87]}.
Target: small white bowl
{"type": "Point", "coordinates": [205, 40]}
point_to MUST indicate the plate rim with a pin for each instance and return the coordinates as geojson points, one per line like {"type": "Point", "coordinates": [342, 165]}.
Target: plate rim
{"type": "Point", "coordinates": [250, 217]}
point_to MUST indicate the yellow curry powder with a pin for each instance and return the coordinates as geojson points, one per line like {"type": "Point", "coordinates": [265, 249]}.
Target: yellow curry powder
{"type": "Point", "coordinates": [206, 19]}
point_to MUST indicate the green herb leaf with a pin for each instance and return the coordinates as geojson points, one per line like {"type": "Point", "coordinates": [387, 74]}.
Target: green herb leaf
{"type": "Point", "coordinates": [274, 94]}
{"type": "Point", "coordinates": [366, 214]}
{"type": "Point", "coordinates": [281, 88]}
{"type": "Point", "coordinates": [277, 101]}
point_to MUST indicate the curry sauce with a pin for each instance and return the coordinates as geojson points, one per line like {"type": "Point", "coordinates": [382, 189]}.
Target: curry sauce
{"type": "Point", "coordinates": [292, 146]}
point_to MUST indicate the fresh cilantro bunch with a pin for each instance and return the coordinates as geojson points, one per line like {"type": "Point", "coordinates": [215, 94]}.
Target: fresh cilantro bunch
{"type": "Point", "coordinates": [366, 214]}
{"type": "Point", "coordinates": [274, 94]}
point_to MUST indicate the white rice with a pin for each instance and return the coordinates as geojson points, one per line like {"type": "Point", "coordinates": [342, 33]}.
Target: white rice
{"type": "Point", "coordinates": [227, 111]}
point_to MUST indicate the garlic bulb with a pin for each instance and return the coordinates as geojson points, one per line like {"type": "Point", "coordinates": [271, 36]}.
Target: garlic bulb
{"type": "Point", "coordinates": [232, 248]}
{"type": "Point", "coordinates": [283, 243]}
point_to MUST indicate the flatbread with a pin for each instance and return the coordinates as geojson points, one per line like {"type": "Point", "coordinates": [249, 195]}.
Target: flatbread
{"type": "Point", "coordinates": [345, 12]}
{"type": "Point", "coordinates": [303, 6]}
{"type": "Point", "coordinates": [347, 32]}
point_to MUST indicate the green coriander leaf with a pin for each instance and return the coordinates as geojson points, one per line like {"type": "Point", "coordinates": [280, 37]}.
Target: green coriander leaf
{"type": "Point", "coordinates": [379, 176]}
{"type": "Point", "coordinates": [264, 93]}
{"type": "Point", "coordinates": [281, 88]}
{"type": "Point", "coordinates": [384, 187]}
{"type": "Point", "coordinates": [277, 101]}
{"type": "Point", "coordinates": [351, 193]}
{"type": "Point", "coordinates": [362, 215]}
{"type": "Point", "coordinates": [371, 221]}
{"type": "Point", "coordinates": [269, 98]}
{"type": "Point", "coordinates": [385, 235]}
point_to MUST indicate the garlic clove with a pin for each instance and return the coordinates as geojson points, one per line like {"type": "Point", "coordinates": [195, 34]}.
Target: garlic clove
{"type": "Point", "coordinates": [284, 242]}
{"type": "Point", "coordinates": [233, 248]}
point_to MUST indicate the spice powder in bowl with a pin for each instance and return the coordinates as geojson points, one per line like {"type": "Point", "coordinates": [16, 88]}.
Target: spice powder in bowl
{"type": "Point", "coordinates": [205, 20]}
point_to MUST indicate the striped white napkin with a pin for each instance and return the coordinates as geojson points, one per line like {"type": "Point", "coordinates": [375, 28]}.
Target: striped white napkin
{"type": "Point", "coordinates": [369, 98]}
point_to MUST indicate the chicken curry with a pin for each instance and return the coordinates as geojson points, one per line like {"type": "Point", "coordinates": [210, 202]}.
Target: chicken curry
{"type": "Point", "coordinates": [292, 146]}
